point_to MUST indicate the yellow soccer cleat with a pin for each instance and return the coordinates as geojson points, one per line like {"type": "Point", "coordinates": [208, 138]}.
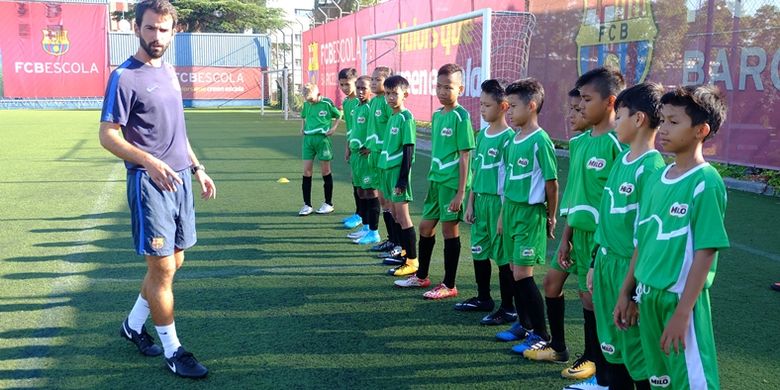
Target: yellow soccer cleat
{"type": "Point", "coordinates": [547, 353]}
{"type": "Point", "coordinates": [581, 369]}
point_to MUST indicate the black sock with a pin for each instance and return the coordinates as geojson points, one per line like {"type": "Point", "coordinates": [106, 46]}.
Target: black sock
{"type": "Point", "coordinates": [594, 349]}
{"type": "Point", "coordinates": [618, 377]}
{"type": "Point", "coordinates": [409, 242]}
{"type": "Point", "coordinates": [357, 200]}
{"type": "Point", "coordinates": [451, 258]}
{"type": "Point", "coordinates": [306, 189]}
{"type": "Point", "coordinates": [642, 385]}
{"type": "Point", "coordinates": [328, 187]}
{"type": "Point", "coordinates": [389, 223]}
{"type": "Point", "coordinates": [482, 273]}
{"type": "Point", "coordinates": [424, 255]}
{"type": "Point", "coordinates": [528, 297]}
{"type": "Point", "coordinates": [506, 283]}
{"type": "Point", "coordinates": [397, 232]}
{"type": "Point", "coordinates": [362, 211]}
{"type": "Point", "coordinates": [556, 308]}
{"type": "Point", "coordinates": [372, 210]}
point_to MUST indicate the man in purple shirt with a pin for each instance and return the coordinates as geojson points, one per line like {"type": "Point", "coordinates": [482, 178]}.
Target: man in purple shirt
{"type": "Point", "coordinates": [142, 123]}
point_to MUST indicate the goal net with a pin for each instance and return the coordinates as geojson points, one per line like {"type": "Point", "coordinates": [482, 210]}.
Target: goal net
{"type": "Point", "coordinates": [485, 43]}
{"type": "Point", "coordinates": [274, 91]}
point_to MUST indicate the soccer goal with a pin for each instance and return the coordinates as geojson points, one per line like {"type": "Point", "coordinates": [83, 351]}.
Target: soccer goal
{"type": "Point", "coordinates": [485, 43]}
{"type": "Point", "coordinates": [275, 88]}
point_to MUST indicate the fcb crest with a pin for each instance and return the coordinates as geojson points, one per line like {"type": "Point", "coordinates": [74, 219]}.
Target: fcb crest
{"type": "Point", "coordinates": [55, 40]}
{"type": "Point", "coordinates": [617, 33]}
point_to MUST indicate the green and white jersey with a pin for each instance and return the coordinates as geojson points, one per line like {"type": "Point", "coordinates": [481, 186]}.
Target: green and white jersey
{"type": "Point", "coordinates": [488, 166]}
{"type": "Point", "coordinates": [590, 161]}
{"type": "Point", "coordinates": [348, 108]}
{"type": "Point", "coordinates": [530, 162]}
{"type": "Point", "coordinates": [621, 198]}
{"type": "Point", "coordinates": [357, 137]}
{"type": "Point", "coordinates": [401, 130]}
{"type": "Point", "coordinates": [377, 122]}
{"type": "Point", "coordinates": [318, 116]}
{"type": "Point", "coordinates": [451, 133]}
{"type": "Point", "coordinates": [677, 217]}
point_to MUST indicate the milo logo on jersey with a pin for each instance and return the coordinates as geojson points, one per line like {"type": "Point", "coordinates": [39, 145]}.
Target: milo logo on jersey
{"type": "Point", "coordinates": [660, 381]}
{"type": "Point", "coordinates": [476, 249]}
{"type": "Point", "coordinates": [492, 152]}
{"type": "Point", "coordinates": [596, 163]}
{"type": "Point", "coordinates": [616, 33]}
{"type": "Point", "coordinates": [446, 132]}
{"type": "Point", "coordinates": [523, 162]}
{"type": "Point", "coordinates": [626, 189]}
{"type": "Point", "coordinates": [323, 113]}
{"type": "Point", "coordinates": [393, 130]}
{"type": "Point", "coordinates": [608, 348]}
{"type": "Point", "coordinates": [361, 119]}
{"type": "Point", "coordinates": [678, 210]}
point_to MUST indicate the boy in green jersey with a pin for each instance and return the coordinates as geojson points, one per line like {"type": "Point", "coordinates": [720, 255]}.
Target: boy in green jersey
{"type": "Point", "coordinates": [529, 211]}
{"type": "Point", "coordinates": [316, 127]}
{"type": "Point", "coordinates": [395, 163]}
{"type": "Point", "coordinates": [347, 78]}
{"type": "Point", "coordinates": [679, 232]}
{"type": "Point", "coordinates": [452, 140]}
{"type": "Point", "coordinates": [636, 122]}
{"type": "Point", "coordinates": [592, 154]}
{"type": "Point", "coordinates": [577, 123]}
{"type": "Point", "coordinates": [484, 207]}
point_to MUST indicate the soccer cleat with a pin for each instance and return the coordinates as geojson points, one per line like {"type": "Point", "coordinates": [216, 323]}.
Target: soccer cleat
{"type": "Point", "coordinates": [441, 292]}
{"type": "Point", "coordinates": [499, 317]}
{"type": "Point", "coordinates": [394, 260]}
{"type": "Point", "coordinates": [588, 384]}
{"type": "Point", "coordinates": [515, 333]}
{"type": "Point", "coordinates": [413, 281]}
{"type": "Point", "coordinates": [358, 233]}
{"type": "Point", "coordinates": [184, 364]}
{"type": "Point", "coordinates": [394, 251]}
{"type": "Point", "coordinates": [144, 341]}
{"type": "Point", "coordinates": [325, 208]}
{"type": "Point", "coordinates": [305, 210]}
{"type": "Point", "coordinates": [775, 286]}
{"type": "Point", "coordinates": [353, 222]}
{"type": "Point", "coordinates": [475, 304]}
{"type": "Point", "coordinates": [405, 269]}
{"type": "Point", "coordinates": [385, 245]}
{"type": "Point", "coordinates": [581, 369]}
{"type": "Point", "coordinates": [532, 341]}
{"type": "Point", "coordinates": [372, 237]}
{"type": "Point", "coordinates": [547, 354]}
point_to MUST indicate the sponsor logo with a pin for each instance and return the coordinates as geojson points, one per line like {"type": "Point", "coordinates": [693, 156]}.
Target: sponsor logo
{"type": "Point", "coordinates": [361, 119]}
{"type": "Point", "coordinates": [323, 113]}
{"type": "Point", "coordinates": [476, 249]}
{"type": "Point", "coordinates": [150, 89]}
{"type": "Point", "coordinates": [378, 113]}
{"type": "Point", "coordinates": [393, 130]}
{"type": "Point", "coordinates": [596, 163]}
{"type": "Point", "coordinates": [171, 366]}
{"type": "Point", "coordinates": [660, 381]}
{"type": "Point", "coordinates": [366, 180]}
{"type": "Point", "coordinates": [608, 348]}
{"type": "Point", "coordinates": [626, 189]}
{"type": "Point", "coordinates": [446, 132]}
{"type": "Point", "coordinates": [326, 153]}
{"type": "Point", "coordinates": [492, 152]}
{"type": "Point", "coordinates": [55, 40]}
{"type": "Point", "coordinates": [678, 209]}
{"type": "Point", "coordinates": [523, 162]}
{"type": "Point", "coordinates": [529, 252]}
{"type": "Point", "coordinates": [158, 243]}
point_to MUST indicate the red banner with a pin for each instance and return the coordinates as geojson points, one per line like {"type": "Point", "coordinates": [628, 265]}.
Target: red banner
{"type": "Point", "coordinates": [208, 82]}
{"type": "Point", "coordinates": [53, 50]}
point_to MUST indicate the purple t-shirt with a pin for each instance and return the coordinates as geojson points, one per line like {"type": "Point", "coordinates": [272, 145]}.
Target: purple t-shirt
{"type": "Point", "coordinates": [146, 102]}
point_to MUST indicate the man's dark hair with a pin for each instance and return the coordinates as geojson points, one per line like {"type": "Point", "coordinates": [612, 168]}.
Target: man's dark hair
{"type": "Point", "coordinates": [160, 7]}
{"type": "Point", "coordinates": [348, 73]}
{"type": "Point", "coordinates": [528, 90]}
{"type": "Point", "coordinates": [396, 81]}
{"type": "Point", "coordinates": [574, 92]}
{"type": "Point", "coordinates": [386, 70]}
{"type": "Point", "coordinates": [606, 80]}
{"type": "Point", "coordinates": [448, 69]}
{"type": "Point", "coordinates": [493, 88]}
{"type": "Point", "coordinates": [702, 103]}
{"type": "Point", "coordinates": [644, 97]}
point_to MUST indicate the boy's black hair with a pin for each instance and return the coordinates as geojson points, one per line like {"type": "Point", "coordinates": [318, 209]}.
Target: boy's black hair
{"type": "Point", "coordinates": [644, 97]}
{"type": "Point", "coordinates": [160, 7]}
{"type": "Point", "coordinates": [702, 103]}
{"type": "Point", "coordinates": [348, 73]}
{"type": "Point", "coordinates": [388, 71]}
{"type": "Point", "coordinates": [574, 92]}
{"type": "Point", "coordinates": [448, 69]}
{"type": "Point", "coordinates": [367, 78]}
{"type": "Point", "coordinates": [494, 88]}
{"type": "Point", "coordinates": [529, 90]}
{"type": "Point", "coordinates": [396, 81]}
{"type": "Point", "coordinates": [607, 81]}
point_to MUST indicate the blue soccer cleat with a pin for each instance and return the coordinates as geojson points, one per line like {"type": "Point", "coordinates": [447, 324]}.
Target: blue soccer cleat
{"type": "Point", "coordinates": [372, 237]}
{"type": "Point", "coordinates": [515, 333]}
{"type": "Point", "coordinates": [532, 341]}
{"type": "Point", "coordinates": [353, 222]}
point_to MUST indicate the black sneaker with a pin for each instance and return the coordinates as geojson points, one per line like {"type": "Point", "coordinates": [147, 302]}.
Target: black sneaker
{"type": "Point", "coordinates": [184, 364]}
{"type": "Point", "coordinates": [475, 304]}
{"type": "Point", "coordinates": [394, 251]}
{"type": "Point", "coordinates": [144, 341]}
{"type": "Point", "coordinates": [383, 246]}
{"type": "Point", "coordinates": [499, 317]}
{"type": "Point", "coordinates": [394, 260]}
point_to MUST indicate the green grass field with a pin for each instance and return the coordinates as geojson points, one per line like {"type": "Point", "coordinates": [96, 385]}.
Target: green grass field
{"type": "Point", "coordinates": [267, 299]}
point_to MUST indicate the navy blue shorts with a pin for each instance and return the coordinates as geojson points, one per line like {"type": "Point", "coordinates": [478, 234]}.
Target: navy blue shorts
{"type": "Point", "coordinates": [162, 221]}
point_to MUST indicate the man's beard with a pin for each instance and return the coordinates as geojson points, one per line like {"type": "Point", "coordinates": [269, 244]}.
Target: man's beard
{"type": "Point", "coordinates": [150, 50]}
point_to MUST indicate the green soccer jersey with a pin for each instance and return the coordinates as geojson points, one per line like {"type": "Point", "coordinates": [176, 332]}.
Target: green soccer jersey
{"type": "Point", "coordinates": [348, 108]}
{"type": "Point", "coordinates": [401, 130]}
{"type": "Point", "coordinates": [380, 113]}
{"type": "Point", "coordinates": [488, 166]}
{"type": "Point", "coordinates": [621, 197]}
{"type": "Point", "coordinates": [530, 162]}
{"type": "Point", "coordinates": [451, 133]}
{"type": "Point", "coordinates": [357, 136]}
{"type": "Point", "coordinates": [676, 218]}
{"type": "Point", "coordinates": [590, 161]}
{"type": "Point", "coordinates": [318, 116]}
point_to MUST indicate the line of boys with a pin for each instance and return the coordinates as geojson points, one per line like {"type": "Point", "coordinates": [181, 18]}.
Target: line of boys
{"type": "Point", "coordinates": [512, 208]}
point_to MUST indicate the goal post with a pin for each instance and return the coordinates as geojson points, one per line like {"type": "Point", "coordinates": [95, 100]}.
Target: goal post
{"type": "Point", "coordinates": [276, 78]}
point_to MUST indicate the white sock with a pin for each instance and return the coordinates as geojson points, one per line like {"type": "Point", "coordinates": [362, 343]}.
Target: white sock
{"type": "Point", "coordinates": [170, 342]}
{"type": "Point", "coordinates": [138, 314]}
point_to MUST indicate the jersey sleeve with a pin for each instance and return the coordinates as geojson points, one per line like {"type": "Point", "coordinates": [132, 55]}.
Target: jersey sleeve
{"type": "Point", "coordinates": [709, 208]}
{"type": "Point", "coordinates": [409, 129]}
{"type": "Point", "coordinates": [335, 113]}
{"type": "Point", "coordinates": [649, 167]}
{"type": "Point", "coordinates": [465, 133]}
{"type": "Point", "coordinates": [305, 110]}
{"type": "Point", "coordinates": [118, 101]}
{"type": "Point", "coordinates": [547, 162]}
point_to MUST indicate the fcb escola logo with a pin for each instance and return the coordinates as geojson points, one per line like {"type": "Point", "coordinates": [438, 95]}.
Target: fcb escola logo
{"type": "Point", "coordinates": [626, 189]}
{"type": "Point", "coordinates": [55, 40]}
{"type": "Point", "coordinates": [596, 163]}
{"type": "Point", "coordinates": [678, 210]}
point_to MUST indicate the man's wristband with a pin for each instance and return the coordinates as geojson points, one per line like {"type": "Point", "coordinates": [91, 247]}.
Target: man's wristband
{"type": "Point", "coordinates": [195, 168]}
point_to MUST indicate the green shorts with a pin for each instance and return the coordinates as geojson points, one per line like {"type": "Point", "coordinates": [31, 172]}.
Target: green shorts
{"type": "Point", "coordinates": [525, 232]}
{"type": "Point", "coordinates": [373, 167]}
{"type": "Point", "coordinates": [696, 367]}
{"type": "Point", "coordinates": [354, 166]}
{"type": "Point", "coordinates": [618, 346]}
{"type": "Point", "coordinates": [581, 250]}
{"type": "Point", "coordinates": [389, 179]}
{"type": "Point", "coordinates": [437, 204]}
{"type": "Point", "coordinates": [485, 241]}
{"type": "Point", "coordinates": [317, 146]}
